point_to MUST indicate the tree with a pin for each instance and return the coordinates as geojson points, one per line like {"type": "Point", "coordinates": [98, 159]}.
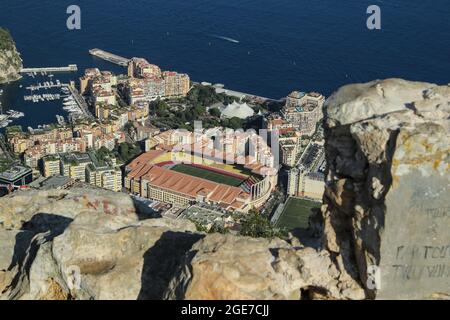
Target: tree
{"type": "Point", "coordinates": [199, 110]}
{"type": "Point", "coordinates": [160, 108]}
{"type": "Point", "coordinates": [216, 228]}
{"type": "Point", "coordinates": [235, 123]}
{"type": "Point", "coordinates": [123, 151]}
{"type": "Point", "coordinates": [215, 112]}
{"type": "Point", "coordinates": [103, 153]}
{"type": "Point", "coordinates": [258, 226]}
{"type": "Point", "coordinates": [203, 95]}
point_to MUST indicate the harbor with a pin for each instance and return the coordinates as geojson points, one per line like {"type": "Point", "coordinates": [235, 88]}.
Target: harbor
{"type": "Point", "coordinates": [39, 87]}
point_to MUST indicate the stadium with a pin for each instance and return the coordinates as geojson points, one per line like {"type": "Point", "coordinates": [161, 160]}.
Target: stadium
{"type": "Point", "coordinates": [182, 178]}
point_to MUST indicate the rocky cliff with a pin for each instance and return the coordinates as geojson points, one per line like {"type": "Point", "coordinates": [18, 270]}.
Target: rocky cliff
{"type": "Point", "coordinates": [10, 61]}
{"type": "Point", "coordinates": [386, 208]}
{"type": "Point", "coordinates": [383, 227]}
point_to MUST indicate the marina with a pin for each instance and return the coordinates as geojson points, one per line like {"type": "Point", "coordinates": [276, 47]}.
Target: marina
{"type": "Point", "coordinates": [47, 85]}
{"type": "Point", "coordinates": [48, 91]}
{"type": "Point", "coordinates": [42, 97]}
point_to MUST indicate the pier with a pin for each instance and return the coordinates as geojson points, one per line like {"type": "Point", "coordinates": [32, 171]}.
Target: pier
{"type": "Point", "coordinates": [121, 61]}
{"type": "Point", "coordinates": [80, 101]}
{"type": "Point", "coordinates": [69, 68]}
{"type": "Point", "coordinates": [48, 85]}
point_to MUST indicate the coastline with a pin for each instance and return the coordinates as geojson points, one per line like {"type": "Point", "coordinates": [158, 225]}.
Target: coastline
{"type": "Point", "coordinates": [9, 81]}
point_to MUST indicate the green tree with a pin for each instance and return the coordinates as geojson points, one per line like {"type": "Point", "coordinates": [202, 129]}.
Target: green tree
{"type": "Point", "coordinates": [123, 151]}
{"type": "Point", "coordinates": [258, 226]}
{"type": "Point", "coordinates": [160, 108]}
{"type": "Point", "coordinates": [235, 123]}
{"type": "Point", "coordinates": [216, 228]}
{"type": "Point", "coordinates": [215, 112]}
{"type": "Point", "coordinates": [199, 110]}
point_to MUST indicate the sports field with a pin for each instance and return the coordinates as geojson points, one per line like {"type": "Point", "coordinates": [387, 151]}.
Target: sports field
{"type": "Point", "coordinates": [296, 213]}
{"type": "Point", "coordinates": [208, 175]}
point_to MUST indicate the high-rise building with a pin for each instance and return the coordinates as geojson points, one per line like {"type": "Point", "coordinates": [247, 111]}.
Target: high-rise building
{"type": "Point", "coordinates": [87, 167]}
{"type": "Point", "coordinates": [176, 84]}
{"type": "Point", "coordinates": [73, 165]}
{"type": "Point", "coordinates": [51, 165]}
{"type": "Point", "coordinates": [148, 83]}
{"type": "Point", "coordinates": [304, 110]}
{"type": "Point", "coordinates": [308, 178]}
{"type": "Point", "coordinates": [104, 176]}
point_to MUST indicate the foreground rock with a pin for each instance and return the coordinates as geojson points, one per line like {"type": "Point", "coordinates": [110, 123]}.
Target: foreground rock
{"type": "Point", "coordinates": [93, 244]}
{"type": "Point", "coordinates": [10, 61]}
{"type": "Point", "coordinates": [387, 210]}
{"type": "Point", "coordinates": [86, 244]}
{"type": "Point", "coordinates": [228, 267]}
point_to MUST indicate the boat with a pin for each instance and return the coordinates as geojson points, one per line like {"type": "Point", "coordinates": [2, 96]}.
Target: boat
{"type": "Point", "coordinates": [15, 114]}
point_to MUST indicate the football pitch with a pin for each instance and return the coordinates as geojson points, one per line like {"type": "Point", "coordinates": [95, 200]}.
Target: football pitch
{"type": "Point", "coordinates": [296, 213]}
{"type": "Point", "coordinates": [208, 175]}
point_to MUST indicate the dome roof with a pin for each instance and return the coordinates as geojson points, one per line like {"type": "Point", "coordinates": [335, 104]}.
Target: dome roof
{"type": "Point", "coordinates": [235, 109]}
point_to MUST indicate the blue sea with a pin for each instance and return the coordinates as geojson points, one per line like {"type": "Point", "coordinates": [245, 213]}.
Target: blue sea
{"type": "Point", "coordinates": [278, 45]}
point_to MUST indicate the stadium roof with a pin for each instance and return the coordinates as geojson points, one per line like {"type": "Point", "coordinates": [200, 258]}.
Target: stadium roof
{"type": "Point", "coordinates": [189, 185]}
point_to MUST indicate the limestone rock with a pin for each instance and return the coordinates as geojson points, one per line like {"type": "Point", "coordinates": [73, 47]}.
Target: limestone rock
{"type": "Point", "coordinates": [41, 210]}
{"type": "Point", "coordinates": [228, 267]}
{"type": "Point", "coordinates": [72, 244]}
{"type": "Point", "coordinates": [386, 205]}
{"type": "Point", "coordinates": [86, 246]}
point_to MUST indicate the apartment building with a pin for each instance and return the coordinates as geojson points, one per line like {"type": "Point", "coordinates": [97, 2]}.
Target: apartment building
{"type": "Point", "coordinates": [51, 165]}
{"type": "Point", "coordinates": [308, 178]}
{"type": "Point", "coordinates": [104, 176]}
{"type": "Point", "coordinates": [85, 167]}
{"type": "Point", "coordinates": [73, 165]}
{"type": "Point", "coordinates": [175, 84]}
{"type": "Point", "coordinates": [304, 111]}
{"type": "Point", "coordinates": [141, 68]}
{"type": "Point", "coordinates": [147, 82]}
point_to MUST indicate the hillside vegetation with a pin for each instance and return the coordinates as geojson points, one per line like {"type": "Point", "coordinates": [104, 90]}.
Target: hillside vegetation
{"type": "Point", "coordinates": [10, 61]}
